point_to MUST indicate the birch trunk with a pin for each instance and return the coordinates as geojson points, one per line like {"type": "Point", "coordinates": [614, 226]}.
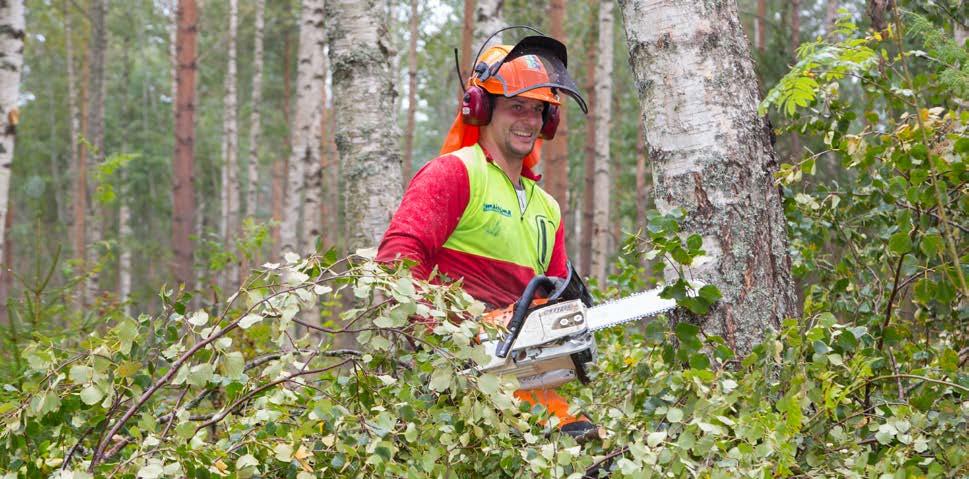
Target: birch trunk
{"type": "Point", "coordinates": [711, 156]}
{"type": "Point", "coordinates": [487, 20]}
{"type": "Point", "coordinates": [74, 127]}
{"type": "Point", "coordinates": [301, 196]}
{"type": "Point", "coordinates": [230, 150]}
{"type": "Point", "coordinates": [367, 141]}
{"type": "Point", "coordinates": [603, 115]}
{"type": "Point", "coordinates": [183, 187]}
{"type": "Point", "coordinates": [589, 159]}
{"type": "Point", "coordinates": [255, 120]}
{"type": "Point", "coordinates": [555, 153]}
{"type": "Point", "coordinates": [97, 214]}
{"type": "Point", "coordinates": [407, 167]}
{"type": "Point", "coordinates": [11, 66]}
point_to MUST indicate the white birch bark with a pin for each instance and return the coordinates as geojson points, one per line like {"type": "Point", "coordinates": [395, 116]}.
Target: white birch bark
{"type": "Point", "coordinates": [255, 122]}
{"type": "Point", "coordinates": [366, 132]}
{"type": "Point", "coordinates": [304, 159]}
{"type": "Point", "coordinates": [711, 156]}
{"type": "Point", "coordinates": [603, 117]}
{"type": "Point", "coordinates": [230, 148]}
{"type": "Point", "coordinates": [11, 67]}
{"type": "Point", "coordinates": [124, 240]}
{"type": "Point", "coordinates": [74, 127]}
{"type": "Point", "coordinates": [97, 90]}
{"type": "Point", "coordinates": [487, 20]}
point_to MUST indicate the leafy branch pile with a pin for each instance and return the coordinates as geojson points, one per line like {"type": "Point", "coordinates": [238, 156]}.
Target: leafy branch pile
{"type": "Point", "coordinates": [870, 382]}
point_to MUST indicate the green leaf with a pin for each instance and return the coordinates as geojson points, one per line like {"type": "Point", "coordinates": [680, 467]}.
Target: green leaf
{"type": "Point", "coordinates": [127, 332]}
{"type": "Point", "coordinates": [81, 374]}
{"type": "Point", "coordinates": [488, 384]}
{"type": "Point", "coordinates": [931, 244]}
{"type": "Point", "coordinates": [91, 395]}
{"type": "Point", "coordinates": [200, 374]}
{"type": "Point", "coordinates": [900, 243]}
{"type": "Point", "coordinates": [694, 242]}
{"type": "Point", "coordinates": [441, 379]}
{"type": "Point", "coordinates": [248, 320]}
{"type": "Point", "coordinates": [710, 293]}
{"type": "Point", "coordinates": [233, 365]}
{"type": "Point", "coordinates": [654, 439]}
{"type": "Point", "coordinates": [674, 415]}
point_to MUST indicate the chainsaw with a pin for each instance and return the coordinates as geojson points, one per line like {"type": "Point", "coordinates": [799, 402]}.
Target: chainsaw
{"type": "Point", "coordinates": [550, 341]}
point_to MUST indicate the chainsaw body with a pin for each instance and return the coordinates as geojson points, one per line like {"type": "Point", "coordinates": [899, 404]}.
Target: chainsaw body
{"type": "Point", "coordinates": [554, 346]}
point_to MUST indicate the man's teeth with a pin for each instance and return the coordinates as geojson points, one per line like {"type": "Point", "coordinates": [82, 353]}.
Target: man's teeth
{"type": "Point", "coordinates": [521, 133]}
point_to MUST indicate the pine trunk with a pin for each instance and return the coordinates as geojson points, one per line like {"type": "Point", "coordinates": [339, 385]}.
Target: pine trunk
{"type": "Point", "coordinates": [367, 142]}
{"type": "Point", "coordinates": [407, 167]}
{"type": "Point", "coordinates": [761, 26]}
{"type": "Point", "coordinates": [487, 20]}
{"type": "Point", "coordinates": [603, 114]}
{"type": "Point", "coordinates": [12, 58]}
{"type": "Point", "coordinates": [555, 153]}
{"type": "Point", "coordinates": [712, 157]}
{"type": "Point", "coordinates": [302, 183]}
{"type": "Point", "coordinates": [255, 120]}
{"type": "Point", "coordinates": [183, 187]}
{"type": "Point", "coordinates": [589, 159]}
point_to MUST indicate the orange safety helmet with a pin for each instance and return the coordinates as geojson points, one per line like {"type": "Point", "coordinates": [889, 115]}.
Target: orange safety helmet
{"type": "Point", "coordinates": [534, 68]}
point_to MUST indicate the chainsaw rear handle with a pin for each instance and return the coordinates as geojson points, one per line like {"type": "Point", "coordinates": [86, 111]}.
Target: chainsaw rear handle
{"type": "Point", "coordinates": [521, 312]}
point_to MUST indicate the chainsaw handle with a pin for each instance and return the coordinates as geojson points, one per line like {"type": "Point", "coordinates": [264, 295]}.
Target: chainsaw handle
{"type": "Point", "coordinates": [521, 312]}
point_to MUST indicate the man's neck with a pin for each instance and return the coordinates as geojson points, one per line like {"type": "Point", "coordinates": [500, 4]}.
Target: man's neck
{"type": "Point", "coordinates": [511, 166]}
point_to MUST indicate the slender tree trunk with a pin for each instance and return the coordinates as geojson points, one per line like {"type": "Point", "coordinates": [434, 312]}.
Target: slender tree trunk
{"type": "Point", "coordinates": [12, 58]}
{"type": "Point", "coordinates": [795, 43]}
{"type": "Point", "coordinates": [642, 196]}
{"type": "Point", "coordinates": [603, 114]}
{"type": "Point", "coordinates": [79, 171]}
{"type": "Point", "coordinates": [408, 164]}
{"type": "Point", "coordinates": [255, 120]}
{"type": "Point", "coordinates": [125, 239]}
{"type": "Point", "coordinates": [487, 20]}
{"type": "Point", "coordinates": [589, 161]}
{"type": "Point", "coordinates": [830, 16]}
{"type": "Point", "coordinates": [877, 11]}
{"type": "Point", "coordinates": [279, 166]}
{"type": "Point", "coordinates": [303, 175]}
{"type": "Point", "coordinates": [761, 26]}
{"type": "Point", "coordinates": [230, 151]}
{"type": "Point", "coordinates": [98, 215]}
{"type": "Point", "coordinates": [6, 271]}
{"type": "Point", "coordinates": [467, 35]}
{"type": "Point", "coordinates": [712, 157]}
{"type": "Point", "coordinates": [368, 143]}
{"type": "Point", "coordinates": [183, 187]}
{"type": "Point", "coordinates": [555, 153]}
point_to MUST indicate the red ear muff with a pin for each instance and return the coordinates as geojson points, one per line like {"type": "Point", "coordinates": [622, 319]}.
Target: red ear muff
{"type": "Point", "coordinates": [476, 107]}
{"type": "Point", "coordinates": [550, 121]}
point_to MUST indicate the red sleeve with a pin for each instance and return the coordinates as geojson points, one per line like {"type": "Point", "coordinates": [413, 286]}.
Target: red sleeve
{"type": "Point", "coordinates": [556, 264]}
{"type": "Point", "coordinates": [431, 208]}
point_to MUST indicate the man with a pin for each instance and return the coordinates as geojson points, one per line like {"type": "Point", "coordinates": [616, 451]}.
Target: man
{"type": "Point", "coordinates": [476, 212]}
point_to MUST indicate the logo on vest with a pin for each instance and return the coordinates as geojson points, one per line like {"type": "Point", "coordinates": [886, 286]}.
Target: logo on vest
{"type": "Point", "coordinates": [493, 208]}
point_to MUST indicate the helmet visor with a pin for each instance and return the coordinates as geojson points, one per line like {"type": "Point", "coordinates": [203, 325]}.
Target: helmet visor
{"type": "Point", "coordinates": [539, 53]}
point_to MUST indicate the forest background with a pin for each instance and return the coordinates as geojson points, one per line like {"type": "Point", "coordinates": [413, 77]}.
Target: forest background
{"type": "Point", "coordinates": [864, 99]}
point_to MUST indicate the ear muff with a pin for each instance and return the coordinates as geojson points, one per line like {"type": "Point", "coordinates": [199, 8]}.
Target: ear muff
{"type": "Point", "coordinates": [550, 121]}
{"type": "Point", "coordinates": [476, 106]}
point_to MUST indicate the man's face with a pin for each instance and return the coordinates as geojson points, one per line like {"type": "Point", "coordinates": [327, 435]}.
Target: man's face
{"type": "Point", "coordinates": [515, 125]}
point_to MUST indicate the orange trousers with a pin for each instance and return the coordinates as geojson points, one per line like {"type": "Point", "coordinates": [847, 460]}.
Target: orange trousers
{"type": "Point", "coordinates": [551, 400]}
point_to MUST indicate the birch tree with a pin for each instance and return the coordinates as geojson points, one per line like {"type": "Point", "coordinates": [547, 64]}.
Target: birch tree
{"type": "Point", "coordinates": [711, 156]}
{"type": "Point", "coordinates": [255, 120]}
{"type": "Point", "coordinates": [183, 188]}
{"type": "Point", "coordinates": [366, 134]}
{"type": "Point", "coordinates": [230, 132]}
{"type": "Point", "coordinates": [11, 67]}
{"type": "Point", "coordinates": [408, 163]}
{"type": "Point", "coordinates": [94, 133]}
{"type": "Point", "coordinates": [77, 158]}
{"type": "Point", "coordinates": [302, 196]}
{"type": "Point", "coordinates": [487, 20]}
{"type": "Point", "coordinates": [603, 114]}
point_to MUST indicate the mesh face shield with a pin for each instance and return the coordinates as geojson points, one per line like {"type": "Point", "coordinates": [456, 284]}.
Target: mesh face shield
{"type": "Point", "coordinates": [536, 62]}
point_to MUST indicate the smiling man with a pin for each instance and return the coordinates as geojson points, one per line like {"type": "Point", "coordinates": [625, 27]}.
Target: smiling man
{"type": "Point", "coordinates": [476, 213]}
